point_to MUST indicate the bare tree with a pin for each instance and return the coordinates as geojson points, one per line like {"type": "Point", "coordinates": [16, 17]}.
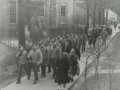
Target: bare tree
{"type": "Point", "coordinates": [111, 67]}
{"type": "Point", "coordinates": [96, 54]}
{"type": "Point", "coordinates": [21, 20]}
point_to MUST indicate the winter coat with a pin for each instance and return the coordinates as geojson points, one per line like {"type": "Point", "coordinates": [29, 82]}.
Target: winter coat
{"type": "Point", "coordinates": [63, 68]}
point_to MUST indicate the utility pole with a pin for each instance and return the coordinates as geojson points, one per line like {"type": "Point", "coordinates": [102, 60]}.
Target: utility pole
{"type": "Point", "coordinates": [99, 12]}
{"type": "Point", "coordinates": [21, 32]}
{"type": "Point", "coordinates": [21, 21]}
{"type": "Point", "coordinates": [103, 11]}
{"type": "Point", "coordinates": [94, 13]}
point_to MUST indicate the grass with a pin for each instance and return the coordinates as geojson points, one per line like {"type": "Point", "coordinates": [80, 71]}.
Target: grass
{"type": "Point", "coordinates": [8, 65]}
{"type": "Point", "coordinates": [10, 59]}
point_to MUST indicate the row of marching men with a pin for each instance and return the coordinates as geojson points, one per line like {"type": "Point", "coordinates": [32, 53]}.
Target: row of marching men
{"type": "Point", "coordinates": [55, 55]}
{"type": "Point", "coordinates": [49, 54]}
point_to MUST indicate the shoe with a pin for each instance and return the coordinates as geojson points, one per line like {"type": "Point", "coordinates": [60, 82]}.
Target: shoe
{"type": "Point", "coordinates": [18, 82]}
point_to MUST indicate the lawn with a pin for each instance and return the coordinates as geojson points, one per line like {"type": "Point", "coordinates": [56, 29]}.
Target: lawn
{"type": "Point", "coordinates": [104, 82]}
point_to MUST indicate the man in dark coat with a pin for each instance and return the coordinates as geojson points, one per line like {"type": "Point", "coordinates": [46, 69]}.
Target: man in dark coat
{"type": "Point", "coordinates": [109, 30]}
{"type": "Point", "coordinates": [84, 39]}
{"type": "Point", "coordinates": [44, 52]}
{"type": "Point", "coordinates": [67, 48]}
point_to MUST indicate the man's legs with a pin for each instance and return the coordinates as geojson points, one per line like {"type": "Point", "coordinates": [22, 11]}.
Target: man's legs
{"type": "Point", "coordinates": [19, 73]}
{"type": "Point", "coordinates": [26, 68]}
{"type": "Point", "coordinates": [29, 67]}
{"type": "Point", "coordinates": [35, 70]}
{"type": "Point", "coordinates": [44, 70]}
{"type": "Point", "coordinates": [49, 66]}
{"type": "Point", "coordinates": [53, 67]}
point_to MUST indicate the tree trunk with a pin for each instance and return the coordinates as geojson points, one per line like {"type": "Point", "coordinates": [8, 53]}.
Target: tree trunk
{"type": "Point", "coordinates": [88, 11]}
{"type": "Point", "coordinates": [94, 13]}
{"type": "Point", "coordinates": [86, 74]}
{"type": "Point", "coordinates": [100, 12]}
{"type": "Point", "coordinates": [21, 25]}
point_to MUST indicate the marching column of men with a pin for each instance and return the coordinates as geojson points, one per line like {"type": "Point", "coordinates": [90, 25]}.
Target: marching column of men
{"type": "Point", "coordinates": [48, 53]}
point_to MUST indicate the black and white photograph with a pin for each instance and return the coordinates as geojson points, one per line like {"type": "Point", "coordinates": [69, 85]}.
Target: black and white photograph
{"type": "Point", "coordinates": [59, 44]}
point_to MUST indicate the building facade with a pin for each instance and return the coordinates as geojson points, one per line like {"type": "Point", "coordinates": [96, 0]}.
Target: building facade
{"type": "Point", "coordinates": [50, 13]}
{"type": "Point", "coordinates": [111, 16]}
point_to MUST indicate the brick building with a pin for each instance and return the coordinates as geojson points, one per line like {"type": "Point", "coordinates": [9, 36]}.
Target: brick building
{"type": "Point", "coordinates": [52, 13]}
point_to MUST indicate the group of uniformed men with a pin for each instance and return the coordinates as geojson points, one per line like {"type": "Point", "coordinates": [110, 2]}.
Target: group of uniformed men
{"type": "Point", "coordinates": [45, 54]}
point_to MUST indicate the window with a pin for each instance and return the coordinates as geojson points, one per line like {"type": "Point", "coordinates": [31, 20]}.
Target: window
{"type": "Point", "coordinates": [13, 11]}
{"type": "Point", "coordinates": [63, 10]}
{"type": "Point", "coordinates": [63, 14]}
{"type": "Point", "coordinates": [41, 10]}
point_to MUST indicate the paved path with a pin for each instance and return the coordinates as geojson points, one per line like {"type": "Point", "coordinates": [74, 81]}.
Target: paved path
{"type": "Point", "coordinates": [44, 83]}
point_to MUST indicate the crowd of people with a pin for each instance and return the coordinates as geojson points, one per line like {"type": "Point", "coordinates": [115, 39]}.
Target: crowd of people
{"type": "Point", "coordinates": [60, 55]}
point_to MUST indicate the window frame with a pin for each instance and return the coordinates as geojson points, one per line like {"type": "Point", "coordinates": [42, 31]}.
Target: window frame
{"type": "Point", "coordinates": [61, 12]}
{"type": "Point", "coordinates": [63, 17]}
{"type": "Point", "coordinates": [16, 13]}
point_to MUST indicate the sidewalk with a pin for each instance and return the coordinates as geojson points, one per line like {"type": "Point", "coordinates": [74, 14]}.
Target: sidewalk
{"type": "Point", "coordinates": [45, 83]}
{"type": "Point", "coordinates": [80, 78]}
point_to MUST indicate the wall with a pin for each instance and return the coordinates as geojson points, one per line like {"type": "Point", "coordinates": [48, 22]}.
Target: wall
{"type": "Point", "coordinates": [4, 15]}
{"type": "Point", "coordinates": [112, 16]}
{"type": "Point", "coordinates": [53, 17]}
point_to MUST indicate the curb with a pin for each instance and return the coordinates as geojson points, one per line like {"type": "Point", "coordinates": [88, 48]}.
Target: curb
{"type": "Point", "coordinates": [69, 88]}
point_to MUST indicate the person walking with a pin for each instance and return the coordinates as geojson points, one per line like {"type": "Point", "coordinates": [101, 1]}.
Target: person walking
{"type": "Point", "coordinates": [49, 49]}
{"type": "Point", "coordinates": [90, 38]}
{"type": "Point", "coordinates": [45, 58]}
{"type": "Point", "coordinates": [84, 39]}
{"type": "Point", "coordinates": [35, 56]}
{"type": "Point", "coordinates": [22, 64]}
{"type": "Point", "coordinates": [28, 49]}
{"type": "Point", "coordinates": [104, 37]}
{"type": "Point", "coordinates": [55, 57]}
{"type": "Point", "coordinates": [73, 63]}
{"type": "Point", "coordinates": [67, 48]}
{"type": "Point", "coordinates": [63, 68]}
